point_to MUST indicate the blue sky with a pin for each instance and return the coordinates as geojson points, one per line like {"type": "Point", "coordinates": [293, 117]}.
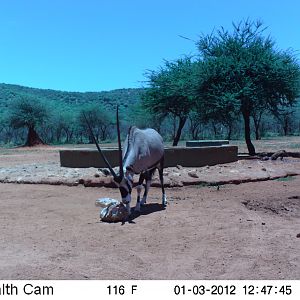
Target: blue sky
{"type": "Point", "coordinates": [91, 45]}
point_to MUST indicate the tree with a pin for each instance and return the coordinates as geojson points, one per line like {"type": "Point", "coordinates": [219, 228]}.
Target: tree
{"type": "Point", "coordinates": [246, 68]}
{"type": "Point", "coordinates": [140, 118]}
{"type": "Point", "coordinates": [68, 126]}
{"type": "Point", "coordinates": [224, 111]}
{"type": "Point", "coordinates": [257, 115]}
{"type": "Point", "coordinates": [171, 92]}
{"type": "Point", "coordinates": [29, 112]}
{"type": "Point", "coordinates": [285, 118]}
{"type": "Point", "coordinates": [195, 122]}
{"type": "Point", "coordinates": [100, 121]}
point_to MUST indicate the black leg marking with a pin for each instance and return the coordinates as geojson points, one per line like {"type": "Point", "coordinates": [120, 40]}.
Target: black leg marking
{"type": "Point", "coordinates": [142, 177]}
{"type": "Point", "coordinates": [139, 189]}
{"type": "Point", "coordinates": [161, 178]}
{"type": "Point", "coordinates": [148, 178]}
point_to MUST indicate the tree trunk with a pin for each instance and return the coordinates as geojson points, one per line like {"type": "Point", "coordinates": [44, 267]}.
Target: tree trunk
{"type": "Point", "coordinates": [58, 134]}
{"type": "Point", "coordinates": [69, 134]}
{"type": "Point", "coordinates": [194, 128]}
{"type": "Point", "coordinates": [33, 138]}
{"type": "Point", "coordinates": [195, 133]}
{"type": "Point", "coordinates": [229, 132]}
{"type": "Point", "coordinates": [104, 132]}
{"type": "Point", "coordinates": [178, 133]}
{"type": "Point", "coordinates": [8, 135]}
{"type": "Point", "coordinates": [257, 120]}
{"type": "Point", "coordinates": [257, 134]}
{"type": "Point", "coordinates": [174, 125]}
{"type": "Point", "coordinates": [285, 126]}
{"type": "Point", "coordinates": [250, 146]}
{"type": "Point", "coordinates": [215, 129]}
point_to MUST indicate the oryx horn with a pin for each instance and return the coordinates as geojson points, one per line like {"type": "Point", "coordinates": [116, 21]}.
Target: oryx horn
{"type": "Point", "coordinates": [100, 151]}
{"type": "Point", "coordinates": [120, 146]}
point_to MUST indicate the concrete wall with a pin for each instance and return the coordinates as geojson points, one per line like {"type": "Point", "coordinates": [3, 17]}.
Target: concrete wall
{"type": "Point", "coordinates": [186, 157]}
{"type": "Point", "coordinates": [205, 143]}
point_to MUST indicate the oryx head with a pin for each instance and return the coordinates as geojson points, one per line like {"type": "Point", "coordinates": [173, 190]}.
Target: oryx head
{"type": "Point", "coordinates": [124, 180]}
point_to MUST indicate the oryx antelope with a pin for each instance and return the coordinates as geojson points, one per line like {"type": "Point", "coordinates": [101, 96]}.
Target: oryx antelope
{"type": "Point", "coordinates": [142, 154]}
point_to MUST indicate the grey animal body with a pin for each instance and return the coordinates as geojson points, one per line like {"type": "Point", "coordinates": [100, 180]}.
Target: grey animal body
{"type": "Point", "coordinates": [143, 149]}
{"type": "Point", "coordinates": [143, 153]}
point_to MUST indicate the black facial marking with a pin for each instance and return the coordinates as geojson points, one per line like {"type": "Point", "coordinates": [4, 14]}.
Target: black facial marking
{"type": "Point", "coordinates": [129, 187]}
{"type": "Point", "coordinates": [123, 192]}
{"type": "Point", "coordinates": [118, 179]}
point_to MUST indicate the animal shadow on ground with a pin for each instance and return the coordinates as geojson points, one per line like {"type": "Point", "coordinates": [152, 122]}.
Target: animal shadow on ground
{"type": "Point", "coordinates": [145, 210]}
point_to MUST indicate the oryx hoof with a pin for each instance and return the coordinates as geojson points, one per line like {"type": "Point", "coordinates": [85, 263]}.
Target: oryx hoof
{"type": "Point", "coordinates": [137, 208]}
{"type": "Point", "coordinates": [143, 202]}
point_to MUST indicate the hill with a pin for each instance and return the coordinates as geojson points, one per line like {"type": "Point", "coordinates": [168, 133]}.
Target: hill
{"type": "Point", "coordinates": [63, 125]}
{"type": "Point", "coordinates": [72, 100]}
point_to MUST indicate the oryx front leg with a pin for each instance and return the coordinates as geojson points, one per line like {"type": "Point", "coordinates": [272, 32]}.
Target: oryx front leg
{"type": "Point", "coordinates": [148, 178]}
{"type": "Point", "coordinates": [147, 187]}
{"type": "Point", "coordinates": [128, 208]}
{"type": "Point", "coordinates": [138, 203]}
{"type": "Point", "coordinates": [164, 197]}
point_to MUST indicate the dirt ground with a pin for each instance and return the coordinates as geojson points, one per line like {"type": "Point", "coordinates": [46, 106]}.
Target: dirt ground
{"type": "Point", "coordinates": [245, 231]}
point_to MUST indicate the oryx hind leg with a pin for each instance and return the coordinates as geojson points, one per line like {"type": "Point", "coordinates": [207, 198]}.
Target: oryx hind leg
{"type": "Point", "coordinates": [139, 190]}
{"type": "Point", "coordinates": [161, 178]}
{"type": "Point", "coordinates": [148, 178]}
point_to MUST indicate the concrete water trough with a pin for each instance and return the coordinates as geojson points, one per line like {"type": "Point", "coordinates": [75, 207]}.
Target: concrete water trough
{"type": "Point", "coordinates": [184, 156]}
{"type": "Point", "coordinates": [205, 143]}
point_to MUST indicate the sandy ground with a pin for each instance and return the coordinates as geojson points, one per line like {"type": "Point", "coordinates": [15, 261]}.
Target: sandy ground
{"type": "Point", "coordinates": [246, 231]}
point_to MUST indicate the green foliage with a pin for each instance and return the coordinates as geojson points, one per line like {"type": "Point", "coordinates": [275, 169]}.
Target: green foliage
{"type": "Point", "coordinates": [246, 70]}
{"type": "Point", "coordinates": [99, 119]}
{"type": "Point", "coordinates": [27, 112]}
{"type": "Point", "coordinates": [171, 91]}
{"type": "Point", "coordinates": [171, 88]}
{"type": "Point", "coordinates": [63, 124]}
{"type": "Point", "coordinates": [142, 119]}
{"type": "Point", "coordinates": [70, 100]}
{"type": "Point", "coordinates": [242, 72]}
{"type": "Point", "coordinates": [238, 74]}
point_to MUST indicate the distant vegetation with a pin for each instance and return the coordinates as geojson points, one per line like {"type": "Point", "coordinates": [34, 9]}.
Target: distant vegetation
{"type": "Point", "coordinates": [64, 113]}
{"type": "Point", "coordinates": [237, 75]}
{"type": "Point", "coordinates": [238, 86]}
{"type": "Point", "coordinates": [64, 125]}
